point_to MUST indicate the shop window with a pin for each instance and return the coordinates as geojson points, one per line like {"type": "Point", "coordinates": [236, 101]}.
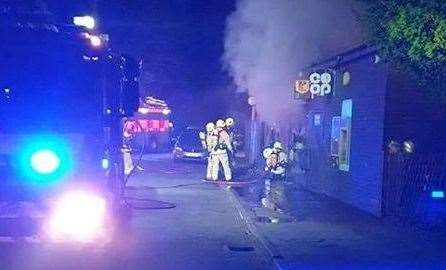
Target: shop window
{"type": "Point", "coordinates": [345, 135]}
{"type": "Point", "coordinates": [335, 134]}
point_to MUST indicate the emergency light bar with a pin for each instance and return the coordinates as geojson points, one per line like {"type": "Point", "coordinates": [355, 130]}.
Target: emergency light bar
{"type": "Point", "coordinates": [155, 102]}
{"type": "Point", "coordinates": [144, 110]}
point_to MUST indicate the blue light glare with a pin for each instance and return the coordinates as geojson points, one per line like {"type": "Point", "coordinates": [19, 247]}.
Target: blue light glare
{"type": "Point", "coordinates": [45, 161]}
{"type": "Point", "coordinates": [438, 194]}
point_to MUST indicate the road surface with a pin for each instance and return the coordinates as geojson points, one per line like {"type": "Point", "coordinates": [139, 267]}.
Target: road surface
{"type": "Point", "coordinates": [203, 230]}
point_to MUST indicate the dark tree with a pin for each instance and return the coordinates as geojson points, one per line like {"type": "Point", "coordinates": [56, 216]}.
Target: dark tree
{"type": "Point", "coordinates": [412, 35]}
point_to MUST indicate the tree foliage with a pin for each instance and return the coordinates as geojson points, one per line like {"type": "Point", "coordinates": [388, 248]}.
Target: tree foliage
{"type": "Point", "coordinates": [412, 34]}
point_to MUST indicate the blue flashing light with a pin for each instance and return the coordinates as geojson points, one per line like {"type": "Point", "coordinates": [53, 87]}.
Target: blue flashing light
{"type": "Point", "coordinates": [44, 160]}
{"type": "Point", "coordinates": [437, 194]}
{"type": "Point", "coordinates": [105, 164]}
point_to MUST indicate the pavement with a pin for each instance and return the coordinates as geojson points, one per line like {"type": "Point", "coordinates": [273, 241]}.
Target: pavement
{"type": "Point", "coordinates": [176, 222]}
{"type": "Point", "coordinates": [304, 230]}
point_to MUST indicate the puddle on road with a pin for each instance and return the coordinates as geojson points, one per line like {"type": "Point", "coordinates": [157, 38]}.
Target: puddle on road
{"type": "Point", "coordinates": [251, 193]}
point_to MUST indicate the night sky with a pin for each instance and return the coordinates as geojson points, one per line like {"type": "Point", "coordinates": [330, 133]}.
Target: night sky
{"type": "Point", "coordinates": [180, 43]}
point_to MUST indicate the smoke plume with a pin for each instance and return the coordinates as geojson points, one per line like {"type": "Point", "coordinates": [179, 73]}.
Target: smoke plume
{"type": "Point", "coordinates": [268, 42]}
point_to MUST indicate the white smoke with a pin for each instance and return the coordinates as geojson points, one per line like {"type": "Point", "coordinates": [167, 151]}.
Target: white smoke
{"type": "Point", "coordinates": [267, 43]}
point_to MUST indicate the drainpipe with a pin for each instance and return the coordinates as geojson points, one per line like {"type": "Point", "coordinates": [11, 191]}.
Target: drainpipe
{"type": "Point", "coordinates": [252, 135]}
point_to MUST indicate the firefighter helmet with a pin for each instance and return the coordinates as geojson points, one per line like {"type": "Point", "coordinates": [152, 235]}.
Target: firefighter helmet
{"type": "Point", "coordinates": [267, 152]}
{"type": "Point", "coordinates": [210, 127]}
{"type": "Point", "coordinates": [229, 122]}
{"type": "Point", "coordinates": [278, 146]}
{"type": "Point", "coordinates": [220, 123]}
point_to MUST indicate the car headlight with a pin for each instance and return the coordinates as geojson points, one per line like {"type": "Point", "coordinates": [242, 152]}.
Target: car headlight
{"type": "Point", "coordinates": [78, 216]}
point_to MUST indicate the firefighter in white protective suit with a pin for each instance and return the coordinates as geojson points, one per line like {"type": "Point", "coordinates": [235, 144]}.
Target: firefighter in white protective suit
{"type": "Point", "coordinates": [127, 136]}
{"type": "Point", "coordinates": [276, 160]}
{"type": "Point", "coordinates": [230, 123]}
{"type": "Point", "coordinates": [126, 152]}
{"type": "Point", "coordinates": [209, 142]}
{"type": "Point", "coordinates": [220, 153]}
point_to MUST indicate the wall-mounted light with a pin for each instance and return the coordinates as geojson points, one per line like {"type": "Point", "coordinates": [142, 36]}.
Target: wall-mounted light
{"type": "Point", "coordinates": [408, 147]}
{"type": "Point", "coordinates": [376, 59]}
{"type": "Point", "coordinates": [346, 78]}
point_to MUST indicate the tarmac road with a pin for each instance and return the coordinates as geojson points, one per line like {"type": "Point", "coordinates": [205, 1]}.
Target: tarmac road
{"type": "Point", "coordinates": [199, 229]}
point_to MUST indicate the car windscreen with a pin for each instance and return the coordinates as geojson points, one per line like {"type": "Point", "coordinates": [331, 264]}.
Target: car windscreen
{"type": "Point", "coordinates": [46, 83]}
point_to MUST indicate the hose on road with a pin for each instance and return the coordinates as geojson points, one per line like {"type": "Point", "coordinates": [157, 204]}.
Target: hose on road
{"type": "Point", "coordinates": [162, 187]}
{"type": "Point", "coordinates": [143, 203]}
{"type": "Point", "coordinates": [147, 204]}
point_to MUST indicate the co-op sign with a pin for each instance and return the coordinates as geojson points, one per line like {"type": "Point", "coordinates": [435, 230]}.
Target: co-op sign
{"type": "Point", "coordinates": [318, 84]}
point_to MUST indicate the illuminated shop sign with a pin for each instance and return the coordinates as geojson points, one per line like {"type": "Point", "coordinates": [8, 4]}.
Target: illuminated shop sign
{"type": "Point", "coordinates": [318, 84]}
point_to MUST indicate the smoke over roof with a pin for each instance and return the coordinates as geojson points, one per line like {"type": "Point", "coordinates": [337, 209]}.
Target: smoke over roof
{"type": "Point", "coordinates": [268, 42]}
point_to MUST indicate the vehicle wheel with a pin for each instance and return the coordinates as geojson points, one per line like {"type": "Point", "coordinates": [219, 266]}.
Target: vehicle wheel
{"type": "Point", "coordinates": [116, 186]}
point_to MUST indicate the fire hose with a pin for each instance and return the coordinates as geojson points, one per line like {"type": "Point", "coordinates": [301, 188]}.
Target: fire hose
{"type": "Point", "coordinates": [138, 203]}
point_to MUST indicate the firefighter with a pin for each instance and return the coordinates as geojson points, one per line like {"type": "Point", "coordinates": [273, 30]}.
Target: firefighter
{"type": "Point", "coordinates": [280, 168]}
{"type": "Point", "coordinates": [128, 134]}
{"type": "Point", "coordinates": [276, 161]}
{"type": "Point", "coordinates": [268, 160]}
{"type": "Point", "coordinates": [229, 123]}
{"type": "Point", "coordinates": [219, 153]}
{"type": "Point", "coordinates": [209, 143]}
{"type": "Point", "coordinates": [126, 152]}
{"type": "Point", "coordinates": [202, 136]}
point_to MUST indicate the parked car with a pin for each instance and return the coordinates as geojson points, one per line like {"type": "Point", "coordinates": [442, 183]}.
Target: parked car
{"type": "Point", "coordinates": [188, 146]}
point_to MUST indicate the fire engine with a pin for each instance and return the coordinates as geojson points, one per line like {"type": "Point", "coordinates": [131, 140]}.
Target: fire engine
{"type": "Point", "coordinates": [63, 95]}
{"type": "Point", "coordinates": [150, 126]}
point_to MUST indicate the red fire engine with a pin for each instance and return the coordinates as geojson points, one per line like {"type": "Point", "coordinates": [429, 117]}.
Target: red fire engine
{"type": "Point", "coordinates": [150, 127]}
